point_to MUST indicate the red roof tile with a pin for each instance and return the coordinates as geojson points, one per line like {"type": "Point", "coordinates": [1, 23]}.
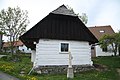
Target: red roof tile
{"type": "Point", "coordinates": [99, 31]}
{"type": "Point", "coordinates": [16, 43]}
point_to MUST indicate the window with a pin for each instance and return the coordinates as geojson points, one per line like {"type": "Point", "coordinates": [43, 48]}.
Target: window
{"type": "Point", "coordinates": [64, 47]}
{"type": "Point", "coordinates": [22, 49]}
{"type": "Point", "coordinates": [104, 49]}
{"type": "Point", "coordinates": [27, 48]}
{"type": "Point", "coordinates": [102, 31]}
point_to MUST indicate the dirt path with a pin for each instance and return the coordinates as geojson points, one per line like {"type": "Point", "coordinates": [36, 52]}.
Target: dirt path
{"type": "Point", "coordinates": [4, 76]}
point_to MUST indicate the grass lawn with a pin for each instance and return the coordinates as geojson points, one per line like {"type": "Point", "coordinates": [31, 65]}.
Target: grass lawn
{"type": "Point", "coordinates": [14, 68]}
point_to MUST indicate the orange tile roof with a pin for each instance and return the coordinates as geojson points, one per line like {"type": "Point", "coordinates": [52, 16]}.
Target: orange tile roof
{"type": "Point", "coordinates": [16, 43]}
{"type": "Point", "coordinates": [99, 31]}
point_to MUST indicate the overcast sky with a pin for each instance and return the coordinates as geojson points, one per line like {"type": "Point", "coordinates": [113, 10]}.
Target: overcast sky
{"type": "Point", "coordinates": [99, 12]}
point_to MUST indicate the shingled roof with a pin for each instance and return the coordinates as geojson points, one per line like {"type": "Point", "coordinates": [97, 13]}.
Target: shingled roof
{"type": "Point", "coordinates": [99, 31]}
{"type": "Point", "coordinates": [64, 10]}
{"type": "Point", "coordinates": [60, 24]}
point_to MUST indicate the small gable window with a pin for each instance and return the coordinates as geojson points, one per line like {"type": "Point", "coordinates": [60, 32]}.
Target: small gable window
{"type": "Point", "coordinates": [102, 31]}
{"type": "Point", "coordinates": [64, 47]}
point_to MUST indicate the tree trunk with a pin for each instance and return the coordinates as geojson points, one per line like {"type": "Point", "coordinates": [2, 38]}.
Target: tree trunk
{"type": "Point", "coordinates": [114, 49]}
{"type": "Point", "coordinates": [1, 42]}
{"type": "Point", "coordinates": [12, 50]}
{"type": "Point", "coordinates": [11, 46]}
{"type": "Point", "coordinates": [119, 49]}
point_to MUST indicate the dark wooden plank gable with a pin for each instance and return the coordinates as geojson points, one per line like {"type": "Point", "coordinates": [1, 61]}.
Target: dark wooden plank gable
{"type": "Point", "coordinates": [60, 24]}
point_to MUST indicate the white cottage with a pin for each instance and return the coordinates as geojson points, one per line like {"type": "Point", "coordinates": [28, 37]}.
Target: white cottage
{"type": "Point", "coordinates": [55, 35]}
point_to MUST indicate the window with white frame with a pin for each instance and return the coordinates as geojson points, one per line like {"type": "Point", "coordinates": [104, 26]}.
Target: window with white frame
{"type": "Point", "coordinates": [64, 47]}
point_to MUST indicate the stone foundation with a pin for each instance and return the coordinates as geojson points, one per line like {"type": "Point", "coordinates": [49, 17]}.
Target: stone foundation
{"type": "Point", "coordinates": [62, 69]}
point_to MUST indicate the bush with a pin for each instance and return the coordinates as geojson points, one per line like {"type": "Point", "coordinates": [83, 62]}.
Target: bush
{"type": "Point", "coordinates": [4, 53]}
{"type": "Point", "coordinates": [4, 58]}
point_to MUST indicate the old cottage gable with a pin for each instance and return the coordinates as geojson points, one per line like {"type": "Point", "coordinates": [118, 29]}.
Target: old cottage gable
{"type": "Point", "coordinates": [60, 24]}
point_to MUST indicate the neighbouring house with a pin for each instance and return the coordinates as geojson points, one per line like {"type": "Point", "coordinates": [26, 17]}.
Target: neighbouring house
{"type": "Point", "coordinates": [98, 32]}
{"type": "Point", "coordinates": [54, 36]}
{"type": "Point", "coordinates": [18, 44]}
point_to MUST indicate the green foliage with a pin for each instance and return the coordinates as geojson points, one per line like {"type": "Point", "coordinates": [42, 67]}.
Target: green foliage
{"type": "Point", "coordinates": [4, 53]}
{"type": "Point", "coordinates": [117, 37]}
{"type": "Point", "coordinates": [106, 40]}
{"type": "Point", "coordinates": [113, 40]}
{"type": "Point", "coordinates": [110, 61]}
{"type": "Point", "coordinates": [14, 68]}
{"type": "Point", "coordinates": [1, 32]}
{"type": "Point", "coordinates": [117, 41]}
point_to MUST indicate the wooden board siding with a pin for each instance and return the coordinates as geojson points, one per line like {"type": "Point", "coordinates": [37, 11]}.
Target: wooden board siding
{"type": "Point", "coordinates": [48, 53]}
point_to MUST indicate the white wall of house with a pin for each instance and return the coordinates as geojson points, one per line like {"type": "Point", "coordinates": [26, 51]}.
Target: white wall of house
{"type": "Point", "coordinates": [23, 48]}
{"type": "Point", "coordinates": [48, 53]}
{"type": "Point", "coordinates": [99, 51]}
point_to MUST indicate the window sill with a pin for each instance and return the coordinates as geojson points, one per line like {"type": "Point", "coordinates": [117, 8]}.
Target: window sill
{"type": "Point", "coordinates": [63, 52]}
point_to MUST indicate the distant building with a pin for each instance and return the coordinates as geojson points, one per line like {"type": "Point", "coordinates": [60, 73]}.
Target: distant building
{"type": "Point", "coordinates": [98, 32]}
{"type": "Point", "coordinates": [18, 44]}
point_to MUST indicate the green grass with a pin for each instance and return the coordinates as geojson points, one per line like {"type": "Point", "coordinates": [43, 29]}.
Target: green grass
{"type": "Point", "coordinates": [112, 63]}
{"type": "Point", "coordinates": [89, 75]}
{"type": "Point", "coordinates": [14, 68]}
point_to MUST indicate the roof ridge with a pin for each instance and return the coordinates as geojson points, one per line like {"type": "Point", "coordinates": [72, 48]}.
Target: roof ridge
{"type": "Point", "coordinates": [100, 26]}
{"type": "Point", "coordinates": [64, 10]}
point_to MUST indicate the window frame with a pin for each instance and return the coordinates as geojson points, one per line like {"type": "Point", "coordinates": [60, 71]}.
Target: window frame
{"type": "Point", "coordinates": [64, 52]}
{"type": "Point", "coordinates": [105, 49]}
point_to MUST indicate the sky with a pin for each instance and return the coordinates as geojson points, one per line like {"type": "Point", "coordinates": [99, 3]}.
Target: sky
{"type": "Point", "coordinates": [99, 12]}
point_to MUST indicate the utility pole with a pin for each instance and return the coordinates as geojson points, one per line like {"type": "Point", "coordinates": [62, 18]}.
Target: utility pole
{"type": "Point", "coordinates": [70, 73]}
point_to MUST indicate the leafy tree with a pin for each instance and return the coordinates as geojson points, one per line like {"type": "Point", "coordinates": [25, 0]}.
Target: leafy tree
{"type": "Point", "coordinates": [113, 40]}
{"type": "Point", "coordinates": [13, 23]}
{"type": "Point", "coordinates": [117, 41]}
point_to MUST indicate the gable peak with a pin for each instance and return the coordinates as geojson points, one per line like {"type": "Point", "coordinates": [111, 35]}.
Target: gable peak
{"type": "Point", "coordinates": [64, 10]}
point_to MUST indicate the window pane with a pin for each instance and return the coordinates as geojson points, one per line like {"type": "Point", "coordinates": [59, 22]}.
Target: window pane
{"type": "Point", "coordinates": [104, 49]}
{"type": "Point", "coordinates": [64, 47]}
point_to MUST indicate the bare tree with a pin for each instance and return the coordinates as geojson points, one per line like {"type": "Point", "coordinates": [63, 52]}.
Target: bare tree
{"type": "Point", "coordinates": [13, 22]}
{"type": "Point", "coordinates": [84, 18]}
